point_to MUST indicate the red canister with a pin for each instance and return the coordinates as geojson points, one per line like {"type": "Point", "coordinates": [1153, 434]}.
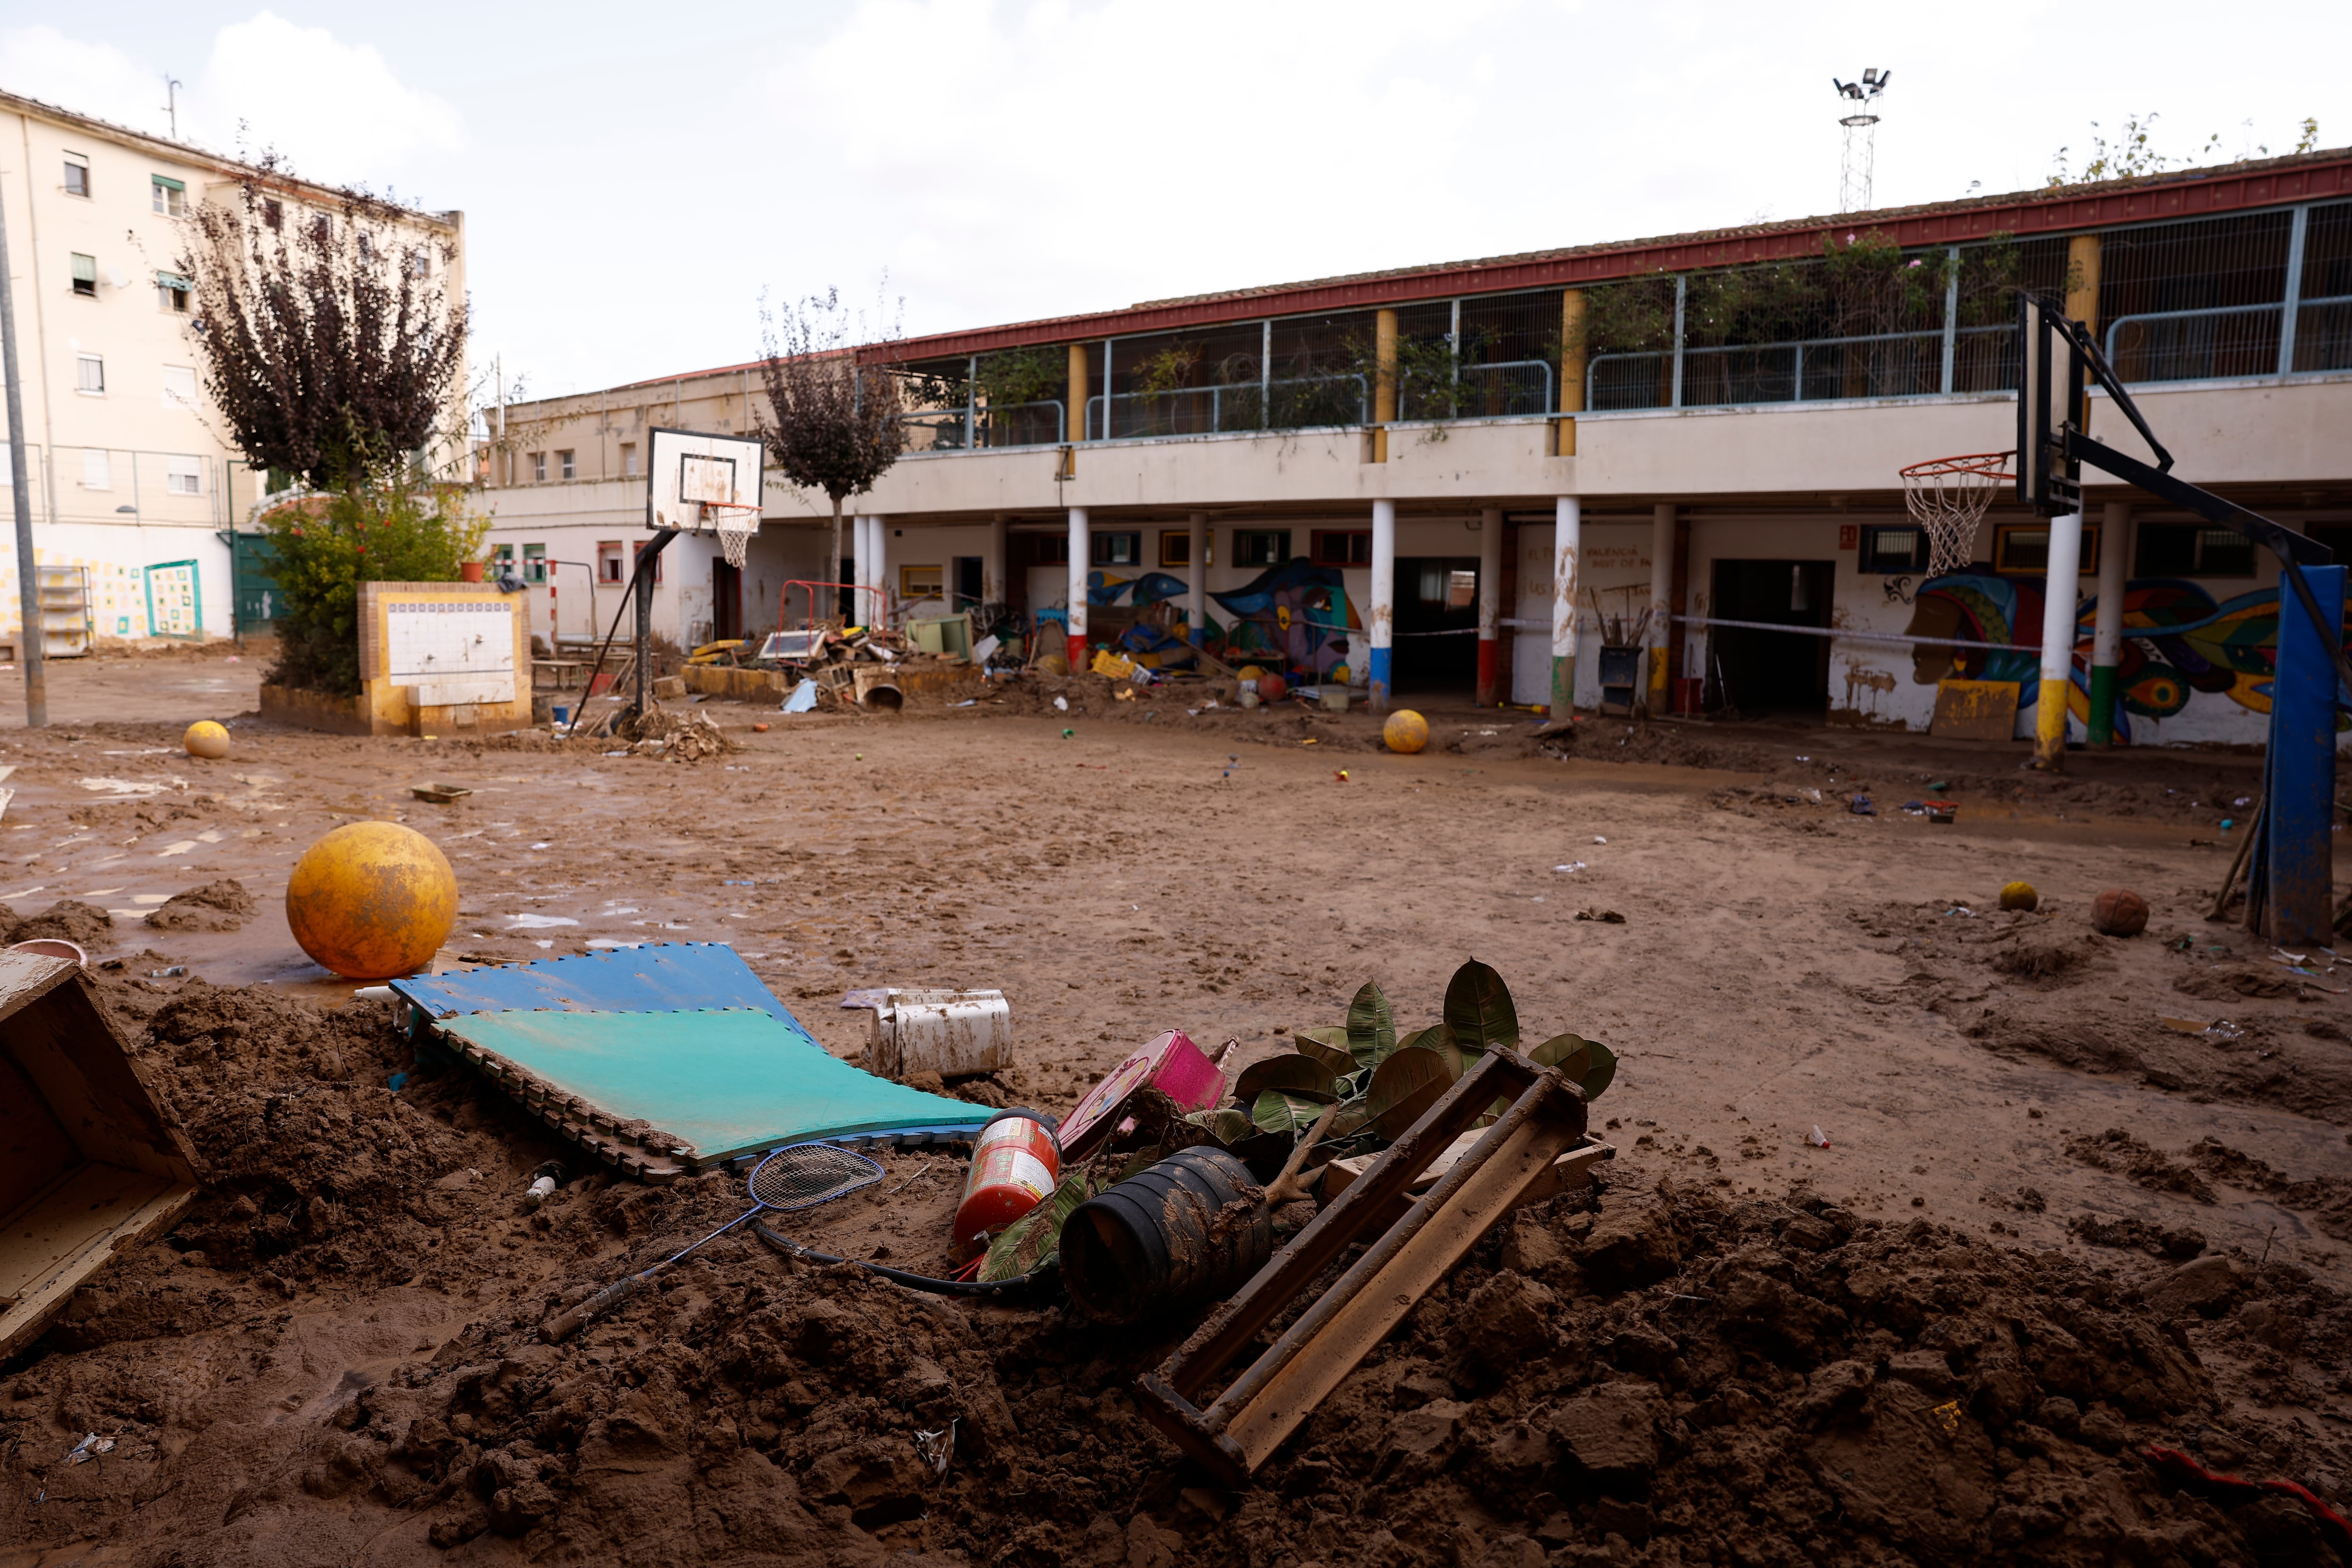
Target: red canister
{"type": "Point", "coordinates": [1015, 1164]}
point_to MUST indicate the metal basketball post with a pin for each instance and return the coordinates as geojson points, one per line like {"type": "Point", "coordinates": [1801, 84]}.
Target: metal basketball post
{"type": "Point", "coordinates": [2290, 880]}
{"type": "Point", "coordinates": [642, 582]}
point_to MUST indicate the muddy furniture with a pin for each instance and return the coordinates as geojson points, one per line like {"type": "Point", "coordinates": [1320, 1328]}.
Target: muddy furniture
{"type": "Point", "coordinates": [87, 1163]}
{"type": "Point", "coordinates": [1241, 1428]}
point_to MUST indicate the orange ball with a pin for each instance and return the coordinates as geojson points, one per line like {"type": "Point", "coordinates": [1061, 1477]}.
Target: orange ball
{"type": "Point", "coordinates": [2119, 911]}
{"type": "Point", "coordinates": [372, 900]}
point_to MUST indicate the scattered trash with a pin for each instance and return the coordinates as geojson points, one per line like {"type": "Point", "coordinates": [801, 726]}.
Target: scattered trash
{"type": "Point", "coordinates": [1606, 917]}
{"type": "Point", "coordinates": [1860, 806]}
{"type": "Point", "coordinates": [759, 729]}
{"type": "Point", "coordinates": [88, 1448]}
{"type": "Point", "coordinates": [1960, 910]}
{"type": "Point", "coordinates": [2228, 823]}
{"type": "Point", "coordinates": [938, 1447]}
{"type": "Point", "coordinates": [870, 997]}
{"type": "Point", "coordinates": [1817, 1138]}
{"type": "Point", "coordinates": [1190, 1229]}
{"type": "Point", "coordinates": [1940, 814]}
{"type": "Point", "coordinates": [967, 702]}
{"type": "Point", "coordinates": [1571, 866]}
{"type": "Point", "coordinates": [1067, 733]}
{"type": "Point", "coordinates": [439, 793]}
{"type": "Point", "coordinates": [540, 1190]}
{"type": "Point", "coordinates": [802, 699]}
{"type": "Point", "coordinates": [1598, 839]}
{"type": "Point", "coordinates": [1061, 705]}
{"type": "Point", "coordinates": [536, 921]}
{"type": "Point", "coordinates": [1341, 775]}
{"type": "Point", "coordinates": [170, 972]}
{"type": "Point", "coordinates": [1016, 1163]}
{"type": "Point", "coordinates": [1169, 1063]}
{"type": "Point", "coordinates": [2214, 1487]}
{"type": "Point", "coordinates": [1915, 808]}
{"type": "Point", "coordinates": [1939, 787]}
{"type": "Point", "coordinates": [2243, 801]}
{"type": "Point", "coordinates": [955, 1034]}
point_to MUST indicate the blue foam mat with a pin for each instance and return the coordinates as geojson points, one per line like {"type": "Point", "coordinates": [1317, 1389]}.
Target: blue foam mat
{"type": "Point", "coordinates": [659, 977]}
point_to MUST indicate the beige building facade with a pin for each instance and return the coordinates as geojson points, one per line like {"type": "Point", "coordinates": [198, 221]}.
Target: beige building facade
{"type": "Point", "coordinates": [136, 485]}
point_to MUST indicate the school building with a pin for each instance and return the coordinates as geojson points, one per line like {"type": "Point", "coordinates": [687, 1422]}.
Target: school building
{"type": "Point", "coordinates": [1468, 480]}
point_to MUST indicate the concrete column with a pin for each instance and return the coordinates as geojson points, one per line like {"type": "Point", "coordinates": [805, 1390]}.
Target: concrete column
{"type": "Point", "coordinates": [1082, 550]}
{"type": "Point", "coordinates": [1490, 604]}
{"type": "Point", "coordinates": [877, 603]}
{"type": "Point", "coordinates": [992, 582]}
{"type": "Point", "coordinates": [1196, 602]}
{"type": "Point", "coordinates": [2107, 629]}
{"type": "Point", "coordinates": [1662, 604]}
{"type": "Point", "coordinates": [1381, 625]}
{"type": "Point", "coordinates": [861, 552]}
{"type": "Point", "coordinates": [1567, 546]}
{"type": "Point", "coordinates": [1074, 417]}
{"type": "Point", "coordinates": [2057, 641]}
{"type": "Point", "coordinates": [1384, 387]}
{"type": "Point", "coordinates": [1571, 368]}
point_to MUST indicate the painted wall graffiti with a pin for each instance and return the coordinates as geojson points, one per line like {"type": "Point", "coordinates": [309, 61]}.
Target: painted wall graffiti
{"type": "Point", "coordinates": [2179, 643]}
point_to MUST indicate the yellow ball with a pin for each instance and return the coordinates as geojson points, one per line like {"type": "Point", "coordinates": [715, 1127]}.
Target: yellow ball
{"type": "Point", "coordinates": [1250, 672]}
{"type": "Point", "coordinates": [372, 900]}
{"type": "Point", "coordinates": [205, 739]}
{"type": "Point", "coordinates": [2020, 896]}
{"type": "Point", "coordinates": [1406, 731]}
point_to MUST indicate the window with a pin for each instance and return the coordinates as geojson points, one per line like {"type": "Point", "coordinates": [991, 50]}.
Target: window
{"type": "Point", "coordinates": [171, 195]}
{"type": "Point", "coordinates": [77, 175]}
{"type": "Point", "coordinates": [1050, 549]}
{"type": "Point", "coordinates": [922, 581]}
{"type": "Point", "coordinates": [570, 469]}
{"type": "Point", "coordinates": [1351, 547]}
{"type": "Point", "coordinates": [1261, 546]}
{"type": "Point", "coordinates": [534, 563]}
{"type": "Point", "coordinates": [171, 292]}
{"type": "Point", "coordinates": [1892, 549]}
{"type": "Point", "coordinates": [96, 472]}
{"type": "Point", "coordinates": [1117, 548]}
{"type": "Point", "coordinates": [629, 458]}
{"type": "Point", "coordinates": [90, 374]}
{"type": "Point", "coordinates": [184, 476]}
{"type": "Point", "coordinates": [539, 465]}
{"type": "Point", "coordinates": [179, 387]}
{"type": "Point", "coordinates": [2023, 549]}
{"type": "Point", "coordinates": [2192, 550]}
{"type": "Point", "coordinates": [2337, 536]}
{"type": "Point", "coordinates": [609, 561]}
{"type": "Point", "coordinates": [85, 275]}
{"type": "Point", "coordinates": [502, 559]}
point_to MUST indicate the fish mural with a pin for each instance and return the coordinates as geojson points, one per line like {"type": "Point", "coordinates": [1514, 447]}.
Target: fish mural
{"type": "Point", "coordinates": [2177, 643]}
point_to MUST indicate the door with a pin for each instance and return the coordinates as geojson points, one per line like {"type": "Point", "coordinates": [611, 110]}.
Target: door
{"type": "Point", "coordinates": [1752, 671]}
{"type": "Point", "coordinates": [1436, 594]}
{"type": "Point", "coordinates": [967, 584]}
{"type": "Point", "coordinates": [726, 601]}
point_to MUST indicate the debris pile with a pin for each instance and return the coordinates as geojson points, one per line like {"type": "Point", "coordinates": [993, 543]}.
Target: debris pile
{"type": "Point", "coordinates": [216, 906]}
{"type": "Point", "coordinates": [674, 737]}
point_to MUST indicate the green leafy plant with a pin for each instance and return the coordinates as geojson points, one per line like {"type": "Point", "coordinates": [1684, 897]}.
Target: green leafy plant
{"type": "Point", "coordinates": [382, 529]}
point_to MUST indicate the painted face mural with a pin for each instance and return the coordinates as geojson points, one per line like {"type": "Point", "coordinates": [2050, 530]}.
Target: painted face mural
{"type": "Point", "coordinates": [2178, 644]}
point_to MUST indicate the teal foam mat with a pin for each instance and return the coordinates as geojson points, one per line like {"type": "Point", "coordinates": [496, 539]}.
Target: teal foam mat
{"type": "Point", "coordinates": [728, 1081]}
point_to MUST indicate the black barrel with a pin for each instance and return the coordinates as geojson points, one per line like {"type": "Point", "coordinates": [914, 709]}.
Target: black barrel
{"type": "Point", "coordinates": [1190, 1229]}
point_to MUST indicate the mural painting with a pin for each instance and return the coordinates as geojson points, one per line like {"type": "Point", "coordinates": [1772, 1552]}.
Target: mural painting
{"type": "Point", "coordinates": [2178, 644]}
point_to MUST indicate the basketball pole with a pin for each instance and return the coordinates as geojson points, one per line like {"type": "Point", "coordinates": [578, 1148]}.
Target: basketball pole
{"type": "Point", "coordinates": [2059, 619]}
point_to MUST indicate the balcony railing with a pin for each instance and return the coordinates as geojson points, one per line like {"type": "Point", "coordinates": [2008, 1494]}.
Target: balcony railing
{"type": "Point", "coordinates": [2230, 341]}
{"type": "Point", "coordinates": [1281, 403]}
{"type": "Point", "coordinates": [985, 427]}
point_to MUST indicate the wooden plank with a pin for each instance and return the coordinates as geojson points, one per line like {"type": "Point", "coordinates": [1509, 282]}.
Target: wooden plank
{"type": "Point", "coordinates": [71, 1232]}
{"type": "Point", "coordinates": [1572, 1169]}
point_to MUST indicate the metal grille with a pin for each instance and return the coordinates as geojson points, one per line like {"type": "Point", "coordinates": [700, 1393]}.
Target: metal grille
{"type": "Point", "coordinates": [2323, 334]}
{"type": "Point", "coordinates": [802, 1175]}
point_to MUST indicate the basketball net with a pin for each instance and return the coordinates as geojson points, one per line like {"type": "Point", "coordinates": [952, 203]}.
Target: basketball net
{"type": "Point", "coordinates": [735, 525]}
{"type": "Point", "coordinates": [1947, 497]}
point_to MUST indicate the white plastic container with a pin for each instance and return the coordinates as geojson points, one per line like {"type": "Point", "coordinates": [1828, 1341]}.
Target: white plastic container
{"type": "Point", "coordinates": [954, 1034]}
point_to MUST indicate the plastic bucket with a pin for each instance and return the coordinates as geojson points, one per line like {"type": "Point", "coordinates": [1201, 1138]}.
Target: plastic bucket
{"type": "Point", "coordinates": [1190, 1229]}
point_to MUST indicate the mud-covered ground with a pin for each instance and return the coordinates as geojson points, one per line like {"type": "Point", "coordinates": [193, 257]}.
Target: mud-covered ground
{"type": "Point", "coordinates": [2081, 1196]}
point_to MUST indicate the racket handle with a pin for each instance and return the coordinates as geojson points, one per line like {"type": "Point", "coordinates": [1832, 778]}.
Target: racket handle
{"type": "Point", "coordinates": [564, 1326]}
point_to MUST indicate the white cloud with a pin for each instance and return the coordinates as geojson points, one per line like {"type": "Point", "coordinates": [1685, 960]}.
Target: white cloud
{"type": "Point", "coordinates": [91, 79]}
{"type": "Point", "coordinates": [336, 110]}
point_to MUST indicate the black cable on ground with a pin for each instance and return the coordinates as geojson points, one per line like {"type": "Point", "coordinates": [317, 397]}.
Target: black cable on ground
{"type": "Point", "coordinates": [1041, 1280]}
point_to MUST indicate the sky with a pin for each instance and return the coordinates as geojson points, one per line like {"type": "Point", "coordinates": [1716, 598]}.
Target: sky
{"type": "Point", "coordinates": [636, 181]}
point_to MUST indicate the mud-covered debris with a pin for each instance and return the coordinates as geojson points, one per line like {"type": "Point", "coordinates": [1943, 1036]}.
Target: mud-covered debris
{"type": "Point", "coordinates": [216, 906]}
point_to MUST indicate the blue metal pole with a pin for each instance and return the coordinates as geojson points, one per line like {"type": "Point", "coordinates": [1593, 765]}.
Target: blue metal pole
{"type": "Point", "coordinates": [2301, 777]}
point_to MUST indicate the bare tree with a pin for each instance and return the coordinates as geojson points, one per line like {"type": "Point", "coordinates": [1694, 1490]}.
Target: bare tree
{"type": "Point", "coordinates": [832, 424]}
{"type": "Point", "coordinates": [327, 339]}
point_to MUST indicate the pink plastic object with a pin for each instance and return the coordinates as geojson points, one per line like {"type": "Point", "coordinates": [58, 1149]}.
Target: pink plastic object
{"type": "Point", "coordinates": [1171, 1063]}
{"type": "Point", "coordinates": [51, 947]}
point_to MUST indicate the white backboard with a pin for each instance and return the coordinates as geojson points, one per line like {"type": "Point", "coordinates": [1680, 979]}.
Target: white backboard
{"type": "Point", "coordinates": [695, 481]}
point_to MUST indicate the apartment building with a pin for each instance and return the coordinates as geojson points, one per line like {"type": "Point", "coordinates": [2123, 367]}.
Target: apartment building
{"type": "Point", "coordinates": [137, 488]}
{"type": "Point", "coordinates": [1685, 450]}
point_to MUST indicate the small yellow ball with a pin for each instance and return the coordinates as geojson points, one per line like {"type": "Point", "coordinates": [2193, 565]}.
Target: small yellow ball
{"type": "Point", "coordinates": [205, 739]}
{"type": "Point", "coordinates": [1405, 730]}
{"type": "Point", "coordinates": [372, 900]}
{"type": "Point", "coordinates": [2020, 896]}
{"type": "Point", "coordinates": [1250, 672]}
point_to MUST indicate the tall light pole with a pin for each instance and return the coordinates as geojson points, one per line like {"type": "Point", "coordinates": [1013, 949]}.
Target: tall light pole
{"type": "Point", "coordinates": [1860, 137]}
{"type": "Point", "coordinates": [28, 582]}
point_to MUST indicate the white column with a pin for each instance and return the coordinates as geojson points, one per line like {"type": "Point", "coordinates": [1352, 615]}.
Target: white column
{"type": "Point", "coordinates": [1662, 602]}
{"type": "Point", "coordinates": [1490, 604]}
{"type": "Point", "coordinates": [1380, 623]}
{"type": "Point", "coordinates": [2107, 629]}
{"type": "Point", "coordinates": [1081, 557]}
{"type": "Point", "coordinates": [2058, 593]}
{"type": "Point", "coordinates": [1196, 602]}
{"type": "Point", "coordinates": [992, 580]}
{"type": "Point", "coordinates": [1567, 547]}
{"type": "Point", "coordinates": [877, 611]}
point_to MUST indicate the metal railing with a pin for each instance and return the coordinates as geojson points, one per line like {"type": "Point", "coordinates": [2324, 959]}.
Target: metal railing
{"type": "Point", "coordinates": [1809, 370]}
{"type": "Point", "coordinates": [1503, 390]}
{"type": "Point", "coordinates": [985, 428]}
{"type": "Point", "coordinates": [2223, 341]}
{"type": "Point", "coordinates": [1284, 403]}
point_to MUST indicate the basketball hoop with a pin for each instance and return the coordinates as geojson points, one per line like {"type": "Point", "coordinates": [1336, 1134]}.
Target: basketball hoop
{"type": "Point", "coordinates": [733, 527]}
{"type": "Point", "coordinates": [1947, 497]}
